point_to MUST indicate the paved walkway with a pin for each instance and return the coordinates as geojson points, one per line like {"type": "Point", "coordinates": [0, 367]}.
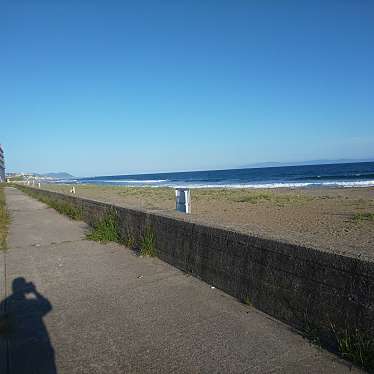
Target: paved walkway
{"type": "Point", "coordinates": [83, 307]}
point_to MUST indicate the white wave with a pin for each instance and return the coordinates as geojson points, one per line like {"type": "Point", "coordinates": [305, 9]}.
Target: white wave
{"type": "Point", "coordinates": [59, 181]}
{"type": "Point", "coordinates": [66, 180]}
{"type": "Point", "coordinates": [167, 183]}
{"type": "Point", "coordinates": [346, 184]}
{"type": "Point", "coordinates": [127, 181]}
{"type": "Point", "coordinates": [352, 184]}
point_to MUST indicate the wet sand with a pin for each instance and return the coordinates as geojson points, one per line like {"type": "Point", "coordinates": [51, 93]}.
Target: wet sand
{"type": "Point", "coordinates": [334, 219]}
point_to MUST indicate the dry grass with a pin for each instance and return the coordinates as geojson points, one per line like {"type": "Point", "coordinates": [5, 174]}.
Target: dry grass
{"type": "Point", "coordinates": [149, 194]}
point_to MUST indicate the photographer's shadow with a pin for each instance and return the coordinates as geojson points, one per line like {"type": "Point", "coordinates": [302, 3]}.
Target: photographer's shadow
{"type": "Point", "coordinates": [29, 346]}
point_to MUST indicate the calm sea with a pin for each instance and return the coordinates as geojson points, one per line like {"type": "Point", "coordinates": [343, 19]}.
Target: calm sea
{"type": "Point", "coordinates": [333, 175]}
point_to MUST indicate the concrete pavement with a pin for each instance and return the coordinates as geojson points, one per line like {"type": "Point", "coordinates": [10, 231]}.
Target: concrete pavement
{"type": "Point", "coordinates": [83, 307]}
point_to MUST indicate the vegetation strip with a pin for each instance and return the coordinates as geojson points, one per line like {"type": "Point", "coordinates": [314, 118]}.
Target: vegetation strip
{"type": "Point", "coordinates": [4, 219]}
{"type": "Point", "coordinates": [63, 208]}
{"type": "Point", "coordinates": [106, 229]}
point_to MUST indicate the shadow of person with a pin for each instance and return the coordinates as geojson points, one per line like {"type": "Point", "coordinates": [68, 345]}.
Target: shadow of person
{"type": "Point", "coordinates": [29, 346]}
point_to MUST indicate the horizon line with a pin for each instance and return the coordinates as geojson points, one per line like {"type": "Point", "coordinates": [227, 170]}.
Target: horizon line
{"type": "Point", "coordinates": [257, 165]}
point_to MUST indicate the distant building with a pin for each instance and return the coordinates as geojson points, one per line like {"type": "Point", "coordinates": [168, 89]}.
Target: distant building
{"type": "Point", "coordinates": [2, 165]}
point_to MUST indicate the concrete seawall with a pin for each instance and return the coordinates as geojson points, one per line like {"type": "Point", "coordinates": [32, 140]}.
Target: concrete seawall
{"type": "Point", "coordinates": [326, 295]}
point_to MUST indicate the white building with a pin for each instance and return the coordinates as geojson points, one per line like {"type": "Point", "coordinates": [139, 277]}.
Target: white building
{"type": "Point", "coordinates": [2, 165]}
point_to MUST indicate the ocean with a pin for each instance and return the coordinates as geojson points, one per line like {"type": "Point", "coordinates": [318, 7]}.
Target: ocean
{"type": "Point", "coordinates": [359, 174]}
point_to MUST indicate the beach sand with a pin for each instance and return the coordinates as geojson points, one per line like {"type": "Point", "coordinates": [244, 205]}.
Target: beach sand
{"type": "Point", "coordinates": [333, 219]}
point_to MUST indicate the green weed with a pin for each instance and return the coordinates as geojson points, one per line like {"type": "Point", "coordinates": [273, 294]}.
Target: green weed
{"type": "Point", "coordinates": [147, 244]}
{"type": "Point", "coordinates": [359, 217]}
{"type": "Point", "coordinates": [106, 230]}
{"type": "Point", "coordinates": [310, 330]}
{"type": "Point", "coordinates": [130, 240]}
{"type": "Point", "coordinates": [357, 347]}
{"type": "Point", "coordinates": [247, 301]}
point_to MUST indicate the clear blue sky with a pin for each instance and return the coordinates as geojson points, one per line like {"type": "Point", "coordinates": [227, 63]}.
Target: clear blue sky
{"type": "Point", "coordinates": [114, 87]}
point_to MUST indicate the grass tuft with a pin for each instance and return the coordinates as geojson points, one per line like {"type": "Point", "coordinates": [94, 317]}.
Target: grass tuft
{"type": "Point", "coordinates": [247, 301]}
{"type": "Point", "coordinates": [357, 347]}
{"type": "Point", "coordinates": [129, 241]}
{"type": "Point", "coordinates": [359, 217]}
{"type": "Point", "coordinates": [351, 344]}
{"type": "Point", "coordinates": [106, 230]}
{"type": "Point", "coordinates": [147, 244]}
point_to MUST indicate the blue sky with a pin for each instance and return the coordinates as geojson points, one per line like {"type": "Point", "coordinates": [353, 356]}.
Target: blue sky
{"type": "Point", "coordinates": [116, 87]}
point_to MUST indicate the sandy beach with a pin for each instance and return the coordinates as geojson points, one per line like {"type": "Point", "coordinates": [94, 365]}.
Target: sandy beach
{"type": "Point", "coordinates": [333, 219]}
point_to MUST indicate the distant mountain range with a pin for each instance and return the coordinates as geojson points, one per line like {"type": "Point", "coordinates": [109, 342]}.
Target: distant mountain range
{"type": "Point", "coordinates": [311, 162]}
